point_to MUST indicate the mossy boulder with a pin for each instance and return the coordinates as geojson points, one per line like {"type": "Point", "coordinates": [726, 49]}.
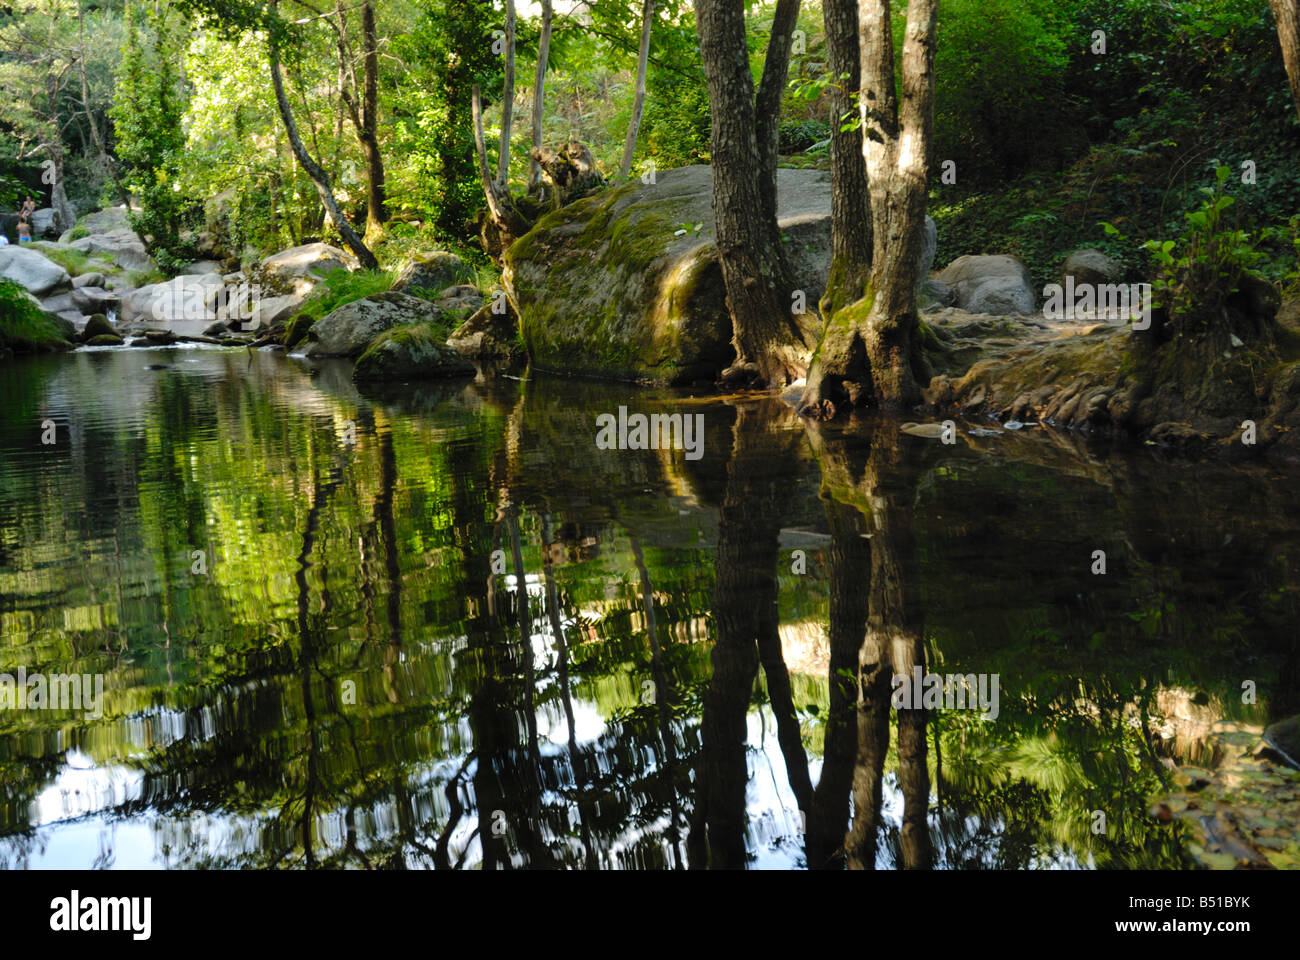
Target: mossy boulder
{"type": "Point", "coordinates": [296, 329]}
{"type": "Point", "coordinates": [626, 284]}
{"type": "Point", "coordinates": [417, 351]}
{"type": "Point", "coordinates": [104, 340]}
{"type": "Point", "coordinates": [25, 327]}
{"type": "Point", "coordinates": [98, 325]}
{"type": "Point", "coordinates": [426, 274]}
{"type": "Point", "coordinates": [348, 330]}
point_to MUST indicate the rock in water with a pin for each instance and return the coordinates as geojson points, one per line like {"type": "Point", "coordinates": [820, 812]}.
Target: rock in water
{"type": "Point", "coordinates": [1284, 737]}
{"type": "Point", "coordinates": [412, 352]}
{"type": "Point", "coordinates": [931, 431]}
{"type": "Point", "coordinates": [606, 286]}
{"type": "Point", "coordinates": [97, 326]}
{"type": "Point", "coordinates": [347, 331]}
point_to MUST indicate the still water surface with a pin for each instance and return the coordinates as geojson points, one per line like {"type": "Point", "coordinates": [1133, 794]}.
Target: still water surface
{"type": "Point", "coordinates": [440, 628]}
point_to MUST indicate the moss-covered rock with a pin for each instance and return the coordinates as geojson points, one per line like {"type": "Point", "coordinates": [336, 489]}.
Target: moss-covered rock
{"type": "Point", "coordinates": [348, 330]}
{"type": "Point", "coordinates": [296, 330]}
{"type": "Point", "coordinates": [25, 327]}
{"type": "Point", "coordinates": [415, 351]}
{"type": "Point", "coordinates": [104, 340]}
{"type": "Point", "coordinates": [98, 325]}
{"type": "Point", "coordinates": [428, 274]}
{"type": "Point", "coordinates": [626, 284]}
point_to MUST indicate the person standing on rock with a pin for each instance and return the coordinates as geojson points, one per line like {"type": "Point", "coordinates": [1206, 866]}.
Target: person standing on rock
{"type": "Point", "coordinates": [24, 231]}
{"type": "Point", "coordinates": [28, 209]}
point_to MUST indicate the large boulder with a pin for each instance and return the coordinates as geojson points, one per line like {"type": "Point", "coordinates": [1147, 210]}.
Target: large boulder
{"type": "Point", "coordinates": [1088, 266]}
{"type": "Point", "coordinates": [410, 352]}
{"type": "Point", "coordinates": [989, 284]}
{"type": "Point", "coordinates": [43, 223]}
{"type": "Point", "coordinates": [348, 330]}
{"type": "Point", "coordinates": [101, 221]}
{"type": "Point", "coordinates": [488, 337]}
{"type": "Point", "coordinates": [181, 298]}
{"type": "Point", "coordinates": [297, 270]}
{"type": "Point", "coordinates": [429, 273]}
{"type": "Point", "coordinates": [121, 245]}
{"type": "Point", "coordinates": [1001, 297]}
{"type": "Point", "coordinates": [626, 283]}
{"type": "Point", "coordinates": [94, 300]}
{"type": "Point", "coordinates": [34, 272]}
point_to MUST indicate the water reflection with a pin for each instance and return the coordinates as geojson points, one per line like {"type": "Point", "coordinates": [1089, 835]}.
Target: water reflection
{"type": "Point", "coordinates": [440, 629]}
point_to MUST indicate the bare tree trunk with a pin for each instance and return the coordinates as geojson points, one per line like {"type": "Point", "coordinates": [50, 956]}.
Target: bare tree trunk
{"type": "Point", "coordinates": [767, 108]}
{"type": "Point", "coordinates": [377, 194]}
{"type": "Point", "coordinates": [870, 351]}
{"type": "Point", "coordinates": [1287, 15]}
{"type": "Point", "coordinates": [504, 223]}
{"type": "Point", "coordinates": [507, 100]}
{"type": "Point", "coordinates": [767, 336]}
{"type": "Point", "coordinates": [101, 146]}
{"type": "Point", "coordinates": [318, 176]}
{"type": "Point", "coordinates": [850, 200]}
{"type": "Point", "coordinates": [539, 92]}
{"type": "Point", "coordinates": [638, 99]}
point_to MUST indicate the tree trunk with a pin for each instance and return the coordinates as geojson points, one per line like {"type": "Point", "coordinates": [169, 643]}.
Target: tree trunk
{"type": "Point", "coordinates": [1287, 15]}
{"type": "Point", "coordinates": [767, 107]}
{"type": "Point", "coordinates": [539, 92]}
{"type": "Point", "coordinates": [767, 336]}
{"type": "Point", "coordinates": [503, 224]}
{"type": "Point", "coordinates": [377, 195]}
{"type": "Point", "coordinates": [507, 101]}
{"type": "Point", "coordinates": [850, 201]}
{"type": "Point", "coordinates": [638, 99]}
{"type": "Point", "coordinates": [870, 351]}
{"type": "Point", "coordinates": [101, 146]}
{"type": "Point", "coordinates": [318, 176]}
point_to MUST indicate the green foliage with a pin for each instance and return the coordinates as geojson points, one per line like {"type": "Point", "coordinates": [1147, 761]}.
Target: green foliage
{"type": "Point", "coordinates": [1197, 272]}
{"type": "Point", "coordinates": [342, 286]}
{"type": "Point", "coordinates": [448, 51]}
{"type": "Point", "coordinates": [24, 326]}
{"type": "Point", "coordinates": [1000, 100]}
{"type": "Point", "coordinates": [147, 112]}
{"type": "Point", "coordinates": [73, 261]}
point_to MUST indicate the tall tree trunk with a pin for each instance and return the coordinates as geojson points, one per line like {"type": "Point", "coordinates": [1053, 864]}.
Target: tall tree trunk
{"type": "Point", "coordinates": [870, 351]}
{"type": "Point", "coordinates": [318, 176]}
{"type": "Point", "coordinates": [507, 100]}
{"type": "Point", "coordinates": [638, 99]}
{"type": "Point", "coordinates": [539, 92]}
{"type": "Point", "coordinates": [767, 107]}
{"type": "Point", "coordinates": [1287, 15]}
{"type": "Point", "coordinates": [504, 223]}
{"type": "Point", "coordinates": [766, 334]}
{"type": "Point", "coordinates": [850, 201]}
{"type": "Point", "coordinates": [377, 194]}
{"type": "Point", "coordinates": [101, 145]}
